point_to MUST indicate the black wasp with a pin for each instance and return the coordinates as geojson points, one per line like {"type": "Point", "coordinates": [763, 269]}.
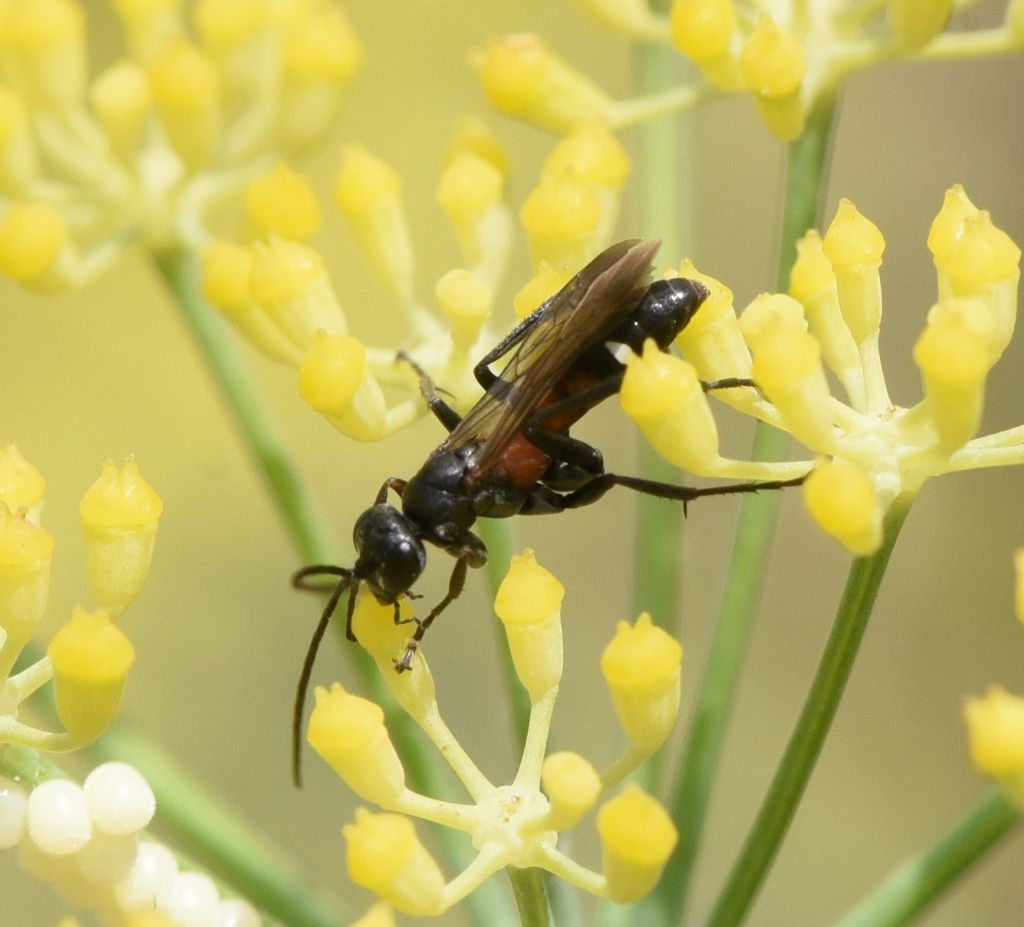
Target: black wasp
{"type": "Point", "coordinates": [512, 453]}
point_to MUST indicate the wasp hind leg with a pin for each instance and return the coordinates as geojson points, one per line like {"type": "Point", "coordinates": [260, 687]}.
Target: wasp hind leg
{"type": "Point", "coordinates": [440, 409]}
{"type": "Point", "coordinates": [455, 586]}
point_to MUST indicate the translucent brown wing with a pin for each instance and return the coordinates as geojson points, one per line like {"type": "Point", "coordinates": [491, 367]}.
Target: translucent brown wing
{"type": "Point", "coordinates": [580, 315]}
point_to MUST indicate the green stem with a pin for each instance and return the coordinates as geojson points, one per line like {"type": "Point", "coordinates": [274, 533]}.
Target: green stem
{"type": "Point", "coordinates": [758, 514]}
{"type": "Point", "coordinates": [307, 526]}
{"type": "Point", "coordinates": [663, 188]}
{"type": "Point", "coordinates": [805, 744]}
{"type": "Point", "coordinates": [921, 879]}
{"type": "Point", "coordinates": [531, 896]}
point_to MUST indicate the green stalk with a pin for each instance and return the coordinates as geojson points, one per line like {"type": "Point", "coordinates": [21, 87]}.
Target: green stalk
{"type": "Point", "coordinates": [758, 513]}
{"type": "Point", "coordinates": [805, 744]}
{"type": "Point", "coordinates": [664, 199]}
{"type": "Point", "coordinates": [920, 880]}
{"type": "Point", "coordinates": [179, 269]}
{"type": "Point", "coordinates": [531, 896]}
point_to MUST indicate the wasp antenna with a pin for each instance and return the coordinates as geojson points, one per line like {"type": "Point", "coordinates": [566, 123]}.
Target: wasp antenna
{"type": "Point", "coordinates": [307, 665]}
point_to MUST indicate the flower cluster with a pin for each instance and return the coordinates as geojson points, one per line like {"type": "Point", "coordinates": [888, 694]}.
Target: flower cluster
{"type": "Point", "coordinates": [517, 824]}
{"type": "Point", "coordinates": [273, 286]}
{"type": "Point", "coordinates": [870, 451]}
{"type": "Point", "coordinates": [140, 152]}
{"type": "Point", "coordinates": [85, 840]}
{"type": "Point", "coordinates": [786, 55]}
{"type": "Point", "coordinates": [89, 658]}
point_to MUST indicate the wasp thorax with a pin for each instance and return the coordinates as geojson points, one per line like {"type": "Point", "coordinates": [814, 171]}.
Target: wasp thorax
{"type": "Point", "coordinates": [391, 555]}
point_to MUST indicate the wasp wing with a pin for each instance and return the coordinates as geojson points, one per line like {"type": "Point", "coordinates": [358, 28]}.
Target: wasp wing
{"type": "Point", "coordinates": [583, 313]}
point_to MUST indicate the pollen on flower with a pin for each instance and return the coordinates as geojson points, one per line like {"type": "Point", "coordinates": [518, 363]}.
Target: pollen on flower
{"type": "Point", "coordinates": [841, 499]}
{"type": "Point", "coordinates": [637, 838]}
{"type": "Point", "coordinates": [283, 201]}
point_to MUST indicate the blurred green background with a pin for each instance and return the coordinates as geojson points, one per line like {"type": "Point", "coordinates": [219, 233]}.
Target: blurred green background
{"type": "Point", "coordinates": [220, 636]}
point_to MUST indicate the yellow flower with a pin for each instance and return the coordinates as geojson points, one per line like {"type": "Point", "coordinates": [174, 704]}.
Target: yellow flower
{"type": "Point", "coordinates": [637, 838]}
{"type": "Point", "coordinates": [995, 726]}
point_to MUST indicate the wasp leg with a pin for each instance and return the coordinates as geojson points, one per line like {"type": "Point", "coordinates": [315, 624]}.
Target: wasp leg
{"type": "Point", "coordinates": [595, 489]}
{"type": "Point", "coordinates": [440, 409]}
{"type": "Point", "coordinates": [728, 383]}
{"type": "Point", "coordinates": [482, 371]}
{"type": "Point", "coordinates": [455, 585]}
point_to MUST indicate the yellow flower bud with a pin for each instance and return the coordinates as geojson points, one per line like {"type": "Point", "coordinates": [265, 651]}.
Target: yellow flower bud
{"type": "Point", "coordinates": [385, 856]}
{"type": "Point", "coordinates": [704, 31]}
{"type": "Point", "coordinates": [561, 217]}
{"type": "Point", "coordinates": [283, 201]}
{"type": "Point", "coordinates": [50, 34]}
{"type": "Point", "coordinates": [375, 628]}
{"type": "Point", "coordinates": [985, 262]}
{"type": "Point", "coordinates": [529, 604]}
{"type": "Point", "coordinates": [814, 284]}
{"type": "Point", "coordinates": [1018, 588]}
{"type": "Point", "coordinates": [149, 25]}
{"type": "Point", "coordinates": [541, 287]}
{"type": "Point", "coordinates": [19, 162]}
{"type": "Point", "coordinates": [474, 137]}
{"type": "Point", "coordinates": [119, 513]}
{"type": "Point", "coordinates": [149, 917]}
{"type": "Point", "coordinates": [33, 242]}
{"type": "Point", "coordinates": [787, 366]}
{"type": "Point", "coordinates": [290, 283]}
{"type": "Point", "coordinates": [995, 728]}
{"type": "Point", "coordinates": [367, 190]}
{"type": "Point", "coordinates": [954, 361]}
{"type": "Point", "coordinates": [322, 46]}
{"type": "Point", "coordinates": [25, 553]}
{"type": "Point", "coordinates": [642, 666]}
{"type": "Point", "coordinates": [91, 658]}
{"type": "Point", "coordinates": [768, 313]}
{"type": "Point", "coordinates": [592, 154]}
{"type": "Point", "coordinates": [773, 66]}
{"type": "Point", "coordinates": [712, 340]}
{"type": "Point", "coordinates": [522, 77]}
{"type": "Point", "coordinates": [663, 396]}
{"type": "Point", "coordinates": [637, 838]}
{"type": "Point", "coordinates": [187, 95]}
{"type": "Point", "coordinates": [21, 484]}
{"type": "Point", "coordinates": [469, 186]}
{"type": "Point", "coordinates": [855, 246]}
{"type": "Point", "coordinates": [916, 22]}
{"type": "Point", "coordinates": [349, 733]}
{"type": "Point", "coordinates": [466, 300]}
{"type": "Point", "coordinates": [335, 380]}
{"type": "Point", "coordinates": [572, 785]}
{"type": "Point", "coordinates": [948, 226]}
{"type": "Point", "coordinates": [226, 24]}
{"type": "Point", "coordinates": [122, 100]}
{"type": "Point", "coordinates": [841, 499]}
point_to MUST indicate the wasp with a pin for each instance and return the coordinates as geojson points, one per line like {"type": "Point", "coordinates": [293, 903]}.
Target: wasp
{"type": "Point", "coordinates": [512, 453]}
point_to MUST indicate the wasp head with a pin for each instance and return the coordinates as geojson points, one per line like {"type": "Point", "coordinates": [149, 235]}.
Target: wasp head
{"type": "Point", "coordinates": [391, 556]}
